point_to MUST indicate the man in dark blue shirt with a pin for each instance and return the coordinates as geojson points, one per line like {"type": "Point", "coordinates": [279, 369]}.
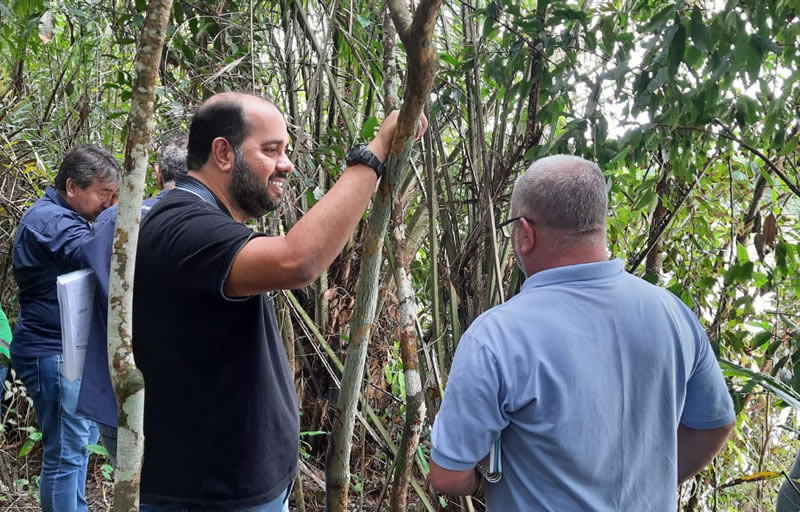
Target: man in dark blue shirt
{"type": "Point", "coordinates": [96, 401]}
{"type": "Point", "coordinates": [47, 245]}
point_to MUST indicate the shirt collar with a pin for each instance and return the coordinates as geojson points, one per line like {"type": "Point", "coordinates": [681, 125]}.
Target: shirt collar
{"type": "Point", "coordinates": [194, 186]}
{"type": "Point", "coordinates": [54, 196]}
{"type": "Point", "coordinates": [570, 273]}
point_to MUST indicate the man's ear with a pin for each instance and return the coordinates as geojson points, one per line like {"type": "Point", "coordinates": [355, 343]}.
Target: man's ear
{"type": "Point", "coordinates": [70, 187]}
{"type": "Point", "coordinates": [159, 178]}
{"type": "Point", "coordinates": [527, 236]}
{"type": "Point", "coordinates": [223, 154]}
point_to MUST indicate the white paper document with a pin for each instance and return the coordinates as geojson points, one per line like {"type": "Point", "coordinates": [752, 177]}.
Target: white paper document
{"type": "Point", "coordinates": [76, 302]}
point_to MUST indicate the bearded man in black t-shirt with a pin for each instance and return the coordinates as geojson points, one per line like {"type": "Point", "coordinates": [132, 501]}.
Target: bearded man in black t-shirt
{"type": "Point", "coordinates": [221, 420]}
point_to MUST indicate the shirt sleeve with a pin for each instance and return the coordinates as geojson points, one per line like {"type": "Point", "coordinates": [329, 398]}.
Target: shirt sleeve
{"type": "Point", "coordinates": [708, 404]}
{"type": "Point", "coordinates": [210, 241]}
{"type": "Point", "coordinates": [97, 248]}
{"type": "Point", "coordinates": [472, 413]}
{"type": "Point", "coordinates": [60, 240]}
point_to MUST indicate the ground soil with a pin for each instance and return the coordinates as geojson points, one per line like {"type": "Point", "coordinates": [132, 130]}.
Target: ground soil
{"type": "Point", "coordinates": [19, 491]}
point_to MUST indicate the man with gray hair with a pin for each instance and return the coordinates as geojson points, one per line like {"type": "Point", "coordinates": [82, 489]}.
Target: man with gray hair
{"type": "Point", "coordinates": [47, 245]}
{"type": "Point", "coordinates": [171, 160]}
{"type": "Point", "coordinates": [96, 400]}
{"type": "Point", "coordinates": [602, 389]}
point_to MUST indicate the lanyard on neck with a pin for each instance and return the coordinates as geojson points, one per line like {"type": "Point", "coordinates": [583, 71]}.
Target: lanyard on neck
{"type": "Point", "coordinates": [193, 186]}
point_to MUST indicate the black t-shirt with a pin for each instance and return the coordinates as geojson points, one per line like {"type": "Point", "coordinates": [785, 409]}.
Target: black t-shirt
{"type": "Point", "coordinates": [221, 422]}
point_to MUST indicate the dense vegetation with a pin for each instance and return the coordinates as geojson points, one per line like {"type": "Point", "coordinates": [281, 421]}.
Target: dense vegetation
{"type": "Point", "coordinates": [690, 108]}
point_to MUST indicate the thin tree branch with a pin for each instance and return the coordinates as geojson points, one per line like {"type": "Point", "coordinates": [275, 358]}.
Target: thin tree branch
{"type": "Point", "coordinates": [778, 172]}
{"type": "Point", "coordinates": [657, 234]}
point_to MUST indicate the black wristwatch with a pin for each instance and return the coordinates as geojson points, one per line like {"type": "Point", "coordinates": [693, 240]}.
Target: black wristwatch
{"type": "Point", "coordinates": [361, 155]}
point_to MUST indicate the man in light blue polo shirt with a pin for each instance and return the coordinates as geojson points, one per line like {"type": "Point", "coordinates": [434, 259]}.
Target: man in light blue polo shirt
{"type": "Point", "coordinates": [602, 388]}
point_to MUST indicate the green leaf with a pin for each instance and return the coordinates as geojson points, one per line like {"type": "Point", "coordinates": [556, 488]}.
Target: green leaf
{"type": "Point", "coordinates": [646, 199]}
{"type": "Point", "coordinates": [531, 153]}
{"type": "Point", "coordinates": [97, 449]}
{"type": "Point", "coordinates": [660, 79]}
{"type": "Point", "coordinates": [676, 50]}
{"type": "Point", "coordinates": [773, 347]}
{"type": "Point", "coordinates": [659, 20]}
{"type": "Point", "coordinates": [177, 10]}
{"type": "Point", "coordinates": [788, 147]}
{"type": "Point", "coordinates": [752, 60]}
{"type": "Point", "coordinates": [651, 278]}
{"type": "Point", "coordinates": [765, 44]}
{"type": "Point", "coordinates": [311, 433]}
{"type": "Point", "coordinates": [739, 273]}
{"type": "Point", "coordinates": [607, 31]}
{"type": "Point", "coordinates": [741, 254]}
{"type": "Point", "coordinates": [33, 438]}
{"type": "Point", "coordinates": [368, 131]}
{"type": "Point", "coordinates": [363, 21]}
{"type": "Point", "coordinates": [446, 57]}
{"type": "Point", "coordinates": [767, 382]}
{"type": "Point", "coordinates": [761, 338]}
{"type": "Point", "coordinates": [781, 252]}
{"type": "Point", "coordinates": [489, 23]}
{"type": "Point", "coordinates": [749, 108]}
{"type": "Point", "coordinates": [694, 57]}
{"type": "Point", "coordinates": [699, 31]}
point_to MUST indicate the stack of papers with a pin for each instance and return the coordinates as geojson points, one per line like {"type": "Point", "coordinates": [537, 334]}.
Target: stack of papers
{"type": "Point", "coordinates": [76, 302]}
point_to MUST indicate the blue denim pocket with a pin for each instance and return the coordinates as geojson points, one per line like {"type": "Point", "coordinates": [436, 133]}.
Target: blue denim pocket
{"type": "Point", "coordinates": [27, 369]}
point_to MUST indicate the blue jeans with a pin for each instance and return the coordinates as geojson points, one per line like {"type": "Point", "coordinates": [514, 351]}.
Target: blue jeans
{"type": "Point", "coordinates": [279, 504]}
{"type": "Point", "coordinates": [3, 374]}
{"type": "Point", "coordinates": [64, 434]}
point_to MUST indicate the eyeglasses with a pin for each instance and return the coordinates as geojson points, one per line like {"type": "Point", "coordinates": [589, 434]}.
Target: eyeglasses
{"type": "Point", "coordinates": [506, 226]}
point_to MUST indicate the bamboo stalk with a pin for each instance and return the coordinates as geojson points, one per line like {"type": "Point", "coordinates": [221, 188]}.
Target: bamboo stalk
{"type": "Point", "coordinates": [309, 31]}
{"type": "Point", "coordinates": [415, 402]}
{"type": "Point", "coordinates": [287, 333]}
{"type": "Point", "coordinates": [385, 437]}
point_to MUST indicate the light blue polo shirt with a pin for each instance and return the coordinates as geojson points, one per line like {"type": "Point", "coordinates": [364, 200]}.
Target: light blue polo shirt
{"type": "Point", "coordinates": [585, 375]}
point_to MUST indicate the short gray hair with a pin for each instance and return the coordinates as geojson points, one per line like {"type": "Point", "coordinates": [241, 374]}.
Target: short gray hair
{"type": "Point", "coordinates": [172, 158]}
{"type": "Point", "coordinates": [562, 191]}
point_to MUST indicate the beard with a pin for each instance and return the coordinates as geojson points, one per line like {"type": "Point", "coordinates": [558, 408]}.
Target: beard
{"type": "Point", "coordinates": [249, 192]}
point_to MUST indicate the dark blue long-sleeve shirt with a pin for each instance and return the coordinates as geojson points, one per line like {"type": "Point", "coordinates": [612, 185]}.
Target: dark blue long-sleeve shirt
{"type": "Point", "coordinates": [47, 245]}
{"type": "Point", "coordinates": [96, 400]}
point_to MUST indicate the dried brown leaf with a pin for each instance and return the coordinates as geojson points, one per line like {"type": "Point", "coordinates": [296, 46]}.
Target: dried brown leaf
{"type": "Point", "coordinates": [46, 27]}
{"type": "Point", "coordinates": [770, 230]}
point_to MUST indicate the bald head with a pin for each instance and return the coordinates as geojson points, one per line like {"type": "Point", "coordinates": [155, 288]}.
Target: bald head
{"type": "Point", "coordinates": [563, 192]}
{"type": "Point", "coordinates": [223, 115]}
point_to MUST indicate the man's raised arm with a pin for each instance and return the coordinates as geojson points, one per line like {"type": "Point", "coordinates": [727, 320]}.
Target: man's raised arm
{"type": "Point", "coordinates": [292, 261]}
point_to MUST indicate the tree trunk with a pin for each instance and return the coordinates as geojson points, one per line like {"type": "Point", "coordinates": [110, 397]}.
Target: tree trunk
{"type": "Point", "coordinates": [415, 398]}
{"type": "Point", "coordinates": [422, 62]}
{"type": "Point", "coordinates": [653, 262]}
{"type": "Point", "coordinates": [422, 59]}
{"type": "Point", "coordinates": [127, 379]}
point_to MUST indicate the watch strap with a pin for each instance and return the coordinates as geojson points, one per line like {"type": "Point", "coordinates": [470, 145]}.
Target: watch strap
{"type": "Point", "coordinates": [360, 154]}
